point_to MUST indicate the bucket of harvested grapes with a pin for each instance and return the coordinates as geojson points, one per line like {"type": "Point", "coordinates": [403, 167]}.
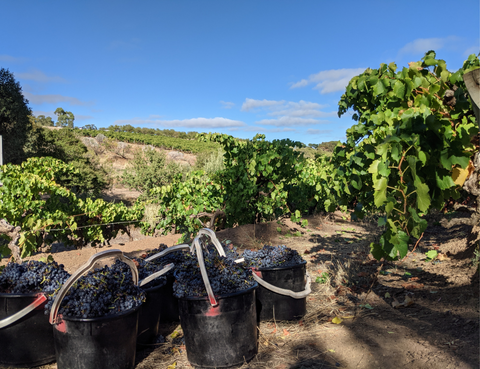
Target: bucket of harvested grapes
{"type": "Point", "coordinates": [217, 309]}
{"type": "Point", "coordinates": [95, 316]}
{"type": "Point", "coordinates": [284, 282]}
{"type": "Point", "coordinates": [161, 257]}
{"type": "Point", "coordinates": [26, 335]}
{"type": "Point", "coordinates": [153, 283]}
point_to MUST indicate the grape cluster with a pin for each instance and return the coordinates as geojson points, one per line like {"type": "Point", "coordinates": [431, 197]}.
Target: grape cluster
{"type": "Point", "coordinates": [272, 256]}
{"type": "Point", "coordinates": [230, 251]}
{"type": "Point", "coordinates": [32, 276]}
{"type": "Point", "coordinates": [104, 291]}
{"type": "Point", "coordinates": [224, 274]}
{"type": "Point", "coordinates": [144, 270]}
{"type": "Point", "coordinates": [176, 257]}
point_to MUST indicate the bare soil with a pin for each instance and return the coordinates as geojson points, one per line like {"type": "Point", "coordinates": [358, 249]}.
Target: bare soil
{"type": "Point", "coordinates": [435, 323]}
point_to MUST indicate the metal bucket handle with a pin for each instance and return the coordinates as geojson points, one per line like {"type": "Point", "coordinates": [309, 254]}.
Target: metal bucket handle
{"type": "Point", "coordinates": [152, 276]}
{"type": "Point", "coordinates": [283, 291]}
{"type": "Point", "coordinates": [40, 299]}
{"type": "Point", "coordinates": [168, 251]}
{"type": "Point", "coordinates": [201, 262]}
{"type": "Point", "coordinates": [85, 268]}
{"type": "Point", "coordinates": [213, 236]}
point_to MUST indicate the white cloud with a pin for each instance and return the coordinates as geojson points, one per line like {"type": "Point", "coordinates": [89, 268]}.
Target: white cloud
{"type": "Point", "coordinates": [250, 104]}
{"type": "Point", "coordinates": [422, 45]}
{"type": "Point", "coordinates": [287, 113]}
{"type": "Point", "coordinates": [472, 50]}
{"type": "Point", "coordinates": [11, 59]}
{"type": "Point", "coordinates": [264, 129]}
{"type": "Point", "coordinates": [195, 123]}
{"type": "Point", "coordinates": [227, 104]}
{"type": "Point", "coordinates": [300, 109]}
{"type": "Point", "coordinates": [289, 121]}
{"type": "Point", "coordinates": [301, 83]}
{"type": "Point", "coordinates": [329, 80]}
{"type": "Point", "coordinates": [53, 99]}
{"type": "Point", "coordinates": [38, 76]}
{"type": "Point", "coordinates": [318, 131]}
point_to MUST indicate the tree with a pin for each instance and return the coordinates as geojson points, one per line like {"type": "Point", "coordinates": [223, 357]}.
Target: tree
{"type": "Point", "coordinates": [44, 121]}
{"type": "Point", "coordinates": [65, 118]}
{"type": "Point", "coordinates": [14, 122]}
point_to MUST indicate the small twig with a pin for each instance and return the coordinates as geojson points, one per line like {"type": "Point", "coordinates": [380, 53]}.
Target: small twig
{"type": "Point", "coordinates": [416, 244]}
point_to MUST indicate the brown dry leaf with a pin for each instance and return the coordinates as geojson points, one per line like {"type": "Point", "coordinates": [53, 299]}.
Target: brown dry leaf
{"type": "Point", "coordinates": [442, 257]}
{"type": "Point", "coordinates": [412, 286]}
{"type": "Point", "coordinates": [306, 252]}
{"type": "Point", "coordinates": [396, 303]}
{"type": "Point", "coordinates": [285, 332]}
{"type": "Point", "coordinates": [408, 301]}
{"type": "Point", "coordinates": [413, 279]}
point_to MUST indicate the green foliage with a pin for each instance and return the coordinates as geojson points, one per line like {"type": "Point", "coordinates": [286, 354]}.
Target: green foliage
{"type": "Point", "coordinates": [323, 278]}
{"type": "Point", "coordinates": [150, 169]}
{"type": "Point", "coordinates": [399, 156]}
{"type": "Point", "coordinates": [260, 180]}
{"type": "Point", "coordinates": [181, 201]}
{"type": "Point", "coordinates": [152, 131]}
{"type": "Point", "coordinates": [210, 162]}
{"type": "Point", "coordinates": [33, 200]}
{"type": "Point", "coordinates": [44, 121]}
{"type": "Point", "coordinates": [432, 254]}
{"type": "Point", "coordinates": [256, 175]}
{"type": "Point", "coordinates": [328, 146]}
{"type": "Point", "coordinates": [65, 118]}
{"type": "Point", "coordinates": [15, 125]}
{"type": "Point", "coordinates": [161, 141]}
{"type": "Point", "coordinates": [90, 178]}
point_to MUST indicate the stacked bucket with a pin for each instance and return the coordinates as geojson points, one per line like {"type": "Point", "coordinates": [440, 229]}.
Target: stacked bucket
{"type": "Point", "coordinates": [111, 341]}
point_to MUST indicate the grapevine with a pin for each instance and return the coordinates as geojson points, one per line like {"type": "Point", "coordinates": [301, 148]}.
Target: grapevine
{"type": "Point", "coordinates": [409, 136]}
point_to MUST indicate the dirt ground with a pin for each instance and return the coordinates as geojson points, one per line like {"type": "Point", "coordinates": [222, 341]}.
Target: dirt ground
{"type": "Point", "coordinates": [434, 324]}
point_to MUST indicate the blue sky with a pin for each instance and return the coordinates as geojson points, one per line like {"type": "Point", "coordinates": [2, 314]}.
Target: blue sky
{"type": "Point", "coordinates": [236, 67]}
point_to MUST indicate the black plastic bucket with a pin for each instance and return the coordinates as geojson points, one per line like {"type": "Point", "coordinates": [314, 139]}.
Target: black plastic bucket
{"type": "Point", "coordinates": [149, 315]}
{"type": "Point", "coordinates": [106, 342]}
{"type": "Point", "coordinates": [29, 341]}
{"type": "Point", "coordinates": [273, 305]}
{"type": "Point", "coordinates": [220, 336]}
{"type": "Point", "coordinates": [169, 307]}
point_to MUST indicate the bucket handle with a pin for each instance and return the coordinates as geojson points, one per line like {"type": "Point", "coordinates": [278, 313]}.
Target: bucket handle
{"type": "Point", "coordinates": [85, 268]}
{"type": "Point", "coordinates": [283, 291]}
{"type": "Point", "coordinates": [152, 276]}
{"type": "Point", "coordinates": [213, 236]}
{"type": "Point", "coordinates": [201, 262]}
{"type": "Point", "coordinates": [41, 298]}
{"type": "Point", "coordinates": [168, 251]}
